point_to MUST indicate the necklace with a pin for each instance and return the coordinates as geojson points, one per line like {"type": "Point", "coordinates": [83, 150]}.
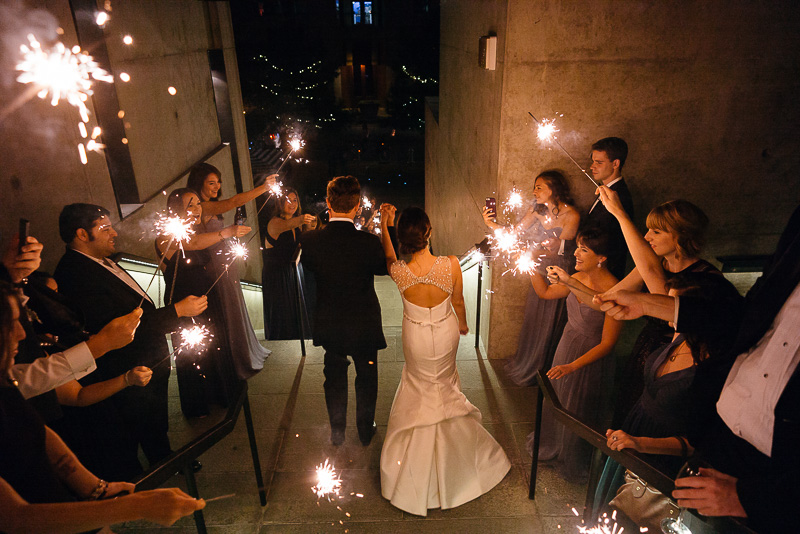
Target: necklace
{"type": "Point", "coordinates": [684, 349]}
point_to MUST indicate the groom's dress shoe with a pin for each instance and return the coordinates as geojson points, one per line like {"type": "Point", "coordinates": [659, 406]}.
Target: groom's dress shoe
{"type": "Point", "coordinates": [337, 436]}
{"type": "Point", "coordinates": [366, 435]}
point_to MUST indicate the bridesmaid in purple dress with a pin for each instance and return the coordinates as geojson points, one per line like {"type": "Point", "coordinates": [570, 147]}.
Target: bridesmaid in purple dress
{"type": "Point", "coordinates": [248, 354]}
{"type": "Point", "coordinates": [552, 222]}
{"type": "Point", "coordinates": [582, 375]}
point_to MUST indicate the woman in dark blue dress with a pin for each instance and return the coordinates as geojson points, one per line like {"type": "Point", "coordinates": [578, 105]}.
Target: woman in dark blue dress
{"type": "Point", "coordinates": [279, 284]}
{"type": "Point", "coordinates": [205, 375]}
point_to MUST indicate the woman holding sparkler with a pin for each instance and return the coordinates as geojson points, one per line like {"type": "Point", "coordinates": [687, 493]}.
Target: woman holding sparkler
{"type": "Point", "coordinates": [40, 477]}
{"type": "Point", "coordinates": [581, 372]}
{"type": "Point", "coordinates": [247, 353]}
{"type": "Point", "coordinates": [671, 246]}
{"type": "Point", "coordinates": [436, 453]}
{"type": "Point", "coordinates": [550, 225]}
{"type": "Point", "coordinates": [279, 283]}
{"type": "Point", "coordinates": [204, 375]}
{"type": "Point", "coordinates": [683, 380]}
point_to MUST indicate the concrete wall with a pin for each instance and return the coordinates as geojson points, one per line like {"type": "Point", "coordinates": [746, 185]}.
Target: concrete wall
{"type": "Point", "coordinates": [166, 134]}
{"type": "Point", "coordinates": [704, 93]}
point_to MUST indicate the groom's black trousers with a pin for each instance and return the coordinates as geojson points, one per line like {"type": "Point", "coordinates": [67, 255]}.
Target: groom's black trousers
{"type": "Point", "coordinates": [336, 388]}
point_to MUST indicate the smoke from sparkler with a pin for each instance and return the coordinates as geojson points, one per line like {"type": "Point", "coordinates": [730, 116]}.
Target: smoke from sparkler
{"type": "Point", "coordinates": [328, 482]}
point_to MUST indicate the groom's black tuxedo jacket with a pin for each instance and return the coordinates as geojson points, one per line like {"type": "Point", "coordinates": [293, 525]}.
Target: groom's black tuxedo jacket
{"type": "Point", "coordinates": [101, 296]}
{"type": "Point", "coordinates": [344, 262]}
{"type": "Point", "coordinates": [600, 217]}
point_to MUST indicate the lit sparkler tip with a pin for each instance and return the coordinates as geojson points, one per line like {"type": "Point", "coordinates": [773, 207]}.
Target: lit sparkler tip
{"type": "Point", "coordinates": [175, 228]}
{"type": "Point", "coordinates": [526, 264]}
{"type": "Point", "coordinates": [514, 199]}
{"type": "Point", "coordinates": [194, 337]}
{"type": "Point", "coordinates": [328, 482]}
{"type": "Point", "coordinates": [296, 144]}
{"type": "Point", "coordinates": [366, 203]}
{"type": "Point", "coordinates": [238, 250]}
{"type": "Point", "coordinates": [547, 130]}
{"type": "Point", "coordinates": [276, 189]}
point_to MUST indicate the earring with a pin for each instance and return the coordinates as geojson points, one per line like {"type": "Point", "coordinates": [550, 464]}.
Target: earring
{"type": "Point", "coordinates": [599, 264]}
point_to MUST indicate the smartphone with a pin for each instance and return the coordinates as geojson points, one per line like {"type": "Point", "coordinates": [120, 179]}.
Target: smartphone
{"type": "Point", "coordinates": [241, 216]}
{"type": "Point", "coordinates": [491, 204]}
{"type": "Point", "coordinates": [24, 229]}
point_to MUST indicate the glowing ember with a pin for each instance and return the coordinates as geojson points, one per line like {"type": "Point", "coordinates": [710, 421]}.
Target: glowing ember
{"type": "Point", "coordinates": [171, 90]}
{"type": "Point", "coordinates": [238, 250]}
{"type": "Point", "coordinates": [276, 189]}
{"type": "Point", "coordinates": [366, 203]}
{"type": "Point", "coordinates": [61, 73]}
{"type": "Point", "coordinates": [194, 337]}
{"type": "Point", "coordinates": [525, 263]}
{"type": "Point", "coordinates": [328, 482]}
{"type": "Point", "coordinates": [514, 199]}
{"type": "Point", "coordinates": [296, 144]}
{"type": "Point", "coordinates": [124, 76]}
{"type": "Point", "coordinates": [175, 228]}
{"type": "Point", "coordinates": [547, 130]}
{"type": "Point", "coordinates": [128, 40]}
{"type": "Point", "coordinates": [102, 18]}
{"type": "Point", "coordinates": [506, 240]}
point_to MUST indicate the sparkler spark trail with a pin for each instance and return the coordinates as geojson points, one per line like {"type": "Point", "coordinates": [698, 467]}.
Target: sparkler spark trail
{"type": "Point", "coordinates": [547, 131]}
{"type": "Point", "coordinates": [328, 482]}
{"type": "Point", "coordinates": [295, 144]}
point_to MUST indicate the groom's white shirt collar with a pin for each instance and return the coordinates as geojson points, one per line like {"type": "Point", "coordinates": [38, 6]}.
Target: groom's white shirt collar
{"type": "Point", "coordinates": [343, 219]}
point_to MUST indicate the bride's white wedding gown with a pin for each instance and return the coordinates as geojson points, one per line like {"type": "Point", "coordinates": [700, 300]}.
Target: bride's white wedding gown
{"type": "Point", "coordinates": [436, 453]}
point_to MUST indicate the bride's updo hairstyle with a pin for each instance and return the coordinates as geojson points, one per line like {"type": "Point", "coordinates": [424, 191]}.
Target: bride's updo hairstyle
{"type": "Point", "coordinates": [413, 230]}
{"type": "Point", "coordinates": [685, 221]}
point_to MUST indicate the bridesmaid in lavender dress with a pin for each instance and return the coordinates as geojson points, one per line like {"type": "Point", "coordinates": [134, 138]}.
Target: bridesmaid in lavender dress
{"type": "Point", "coordinates": [552, 223]}
{"type": "Point", "coordinates": [248, 354]}
{"type": "Point", "coordinates": [582, 375]}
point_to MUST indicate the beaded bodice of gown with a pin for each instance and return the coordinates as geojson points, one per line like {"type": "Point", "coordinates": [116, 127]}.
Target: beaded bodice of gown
{"type": "Point", "coordinates": [438, 275]}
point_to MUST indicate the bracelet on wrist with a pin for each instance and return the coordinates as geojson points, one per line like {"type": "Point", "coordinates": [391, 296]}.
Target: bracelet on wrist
{"type": "Point", "coordinates": [125, 377]}
{"type": "Point", "coordinates": [221, 236]}
{"type": "Point", "coordinates": [99, 490]}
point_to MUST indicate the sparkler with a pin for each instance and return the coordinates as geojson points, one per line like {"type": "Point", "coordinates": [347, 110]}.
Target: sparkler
{"type": "Point", "coordinates": [178, 230]}
{"type": "Point", "coordinates": [62, 73]}
{"type": "Point", "coordinates": [295, 145]}
{"type": "Point", "coordinates": [547, 131]}
{"type": "Point", "coordinates": [328, 482]}
{"type": "Point", "coordinates": [237, 250]}
{"type": "Point", "coordinates": [193, 337]}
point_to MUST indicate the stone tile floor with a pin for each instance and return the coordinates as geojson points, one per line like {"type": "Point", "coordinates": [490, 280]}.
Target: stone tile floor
{"type": "Point", "coordinates": [293, 438]}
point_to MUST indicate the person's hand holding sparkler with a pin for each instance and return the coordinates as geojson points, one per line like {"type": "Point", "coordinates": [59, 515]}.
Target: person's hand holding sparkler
{"type": "Point", "coordinates": [235, 231]}
{"type": "Point", "coordinates": [166, 505]}
{"type": "Point", "coordinates": [138, 376]}
{"type": "Point", "coordinates": [557, 275]}
{"type": "Point", "coordinates": [191, 306]}
{"type": "Point", "coordinates": [116, 334]}
{"type": "Point", "coordinates": [269, 184]}
{"type": "Point", "coordinates": [620, 304]}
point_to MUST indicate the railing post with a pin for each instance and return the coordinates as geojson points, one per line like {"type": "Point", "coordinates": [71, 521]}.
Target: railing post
{"type": "Point", "coordinates": [478, 305]}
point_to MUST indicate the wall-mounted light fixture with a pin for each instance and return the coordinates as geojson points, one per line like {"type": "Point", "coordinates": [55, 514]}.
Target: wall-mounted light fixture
{"type": "Point", "coordinates": [487, 52]}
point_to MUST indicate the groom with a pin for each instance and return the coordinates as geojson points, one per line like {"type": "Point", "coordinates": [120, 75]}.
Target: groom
{"type": "Point", "coordinates": [347, 321]}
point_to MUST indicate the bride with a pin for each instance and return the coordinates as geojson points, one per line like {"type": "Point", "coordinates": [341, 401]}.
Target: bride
{"type": "Point", "coordinates": [436, 453]}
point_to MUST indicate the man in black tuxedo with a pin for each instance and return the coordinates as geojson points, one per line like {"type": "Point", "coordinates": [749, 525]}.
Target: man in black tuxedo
{"type": "Point", "coordinates": [753, 446]}
{"type": "Point", "coordinates": [102, 291]}
{"type": "Point", "coordinates": [608, 158]}
{"type": "Point", "coordinates": [347, 321]}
